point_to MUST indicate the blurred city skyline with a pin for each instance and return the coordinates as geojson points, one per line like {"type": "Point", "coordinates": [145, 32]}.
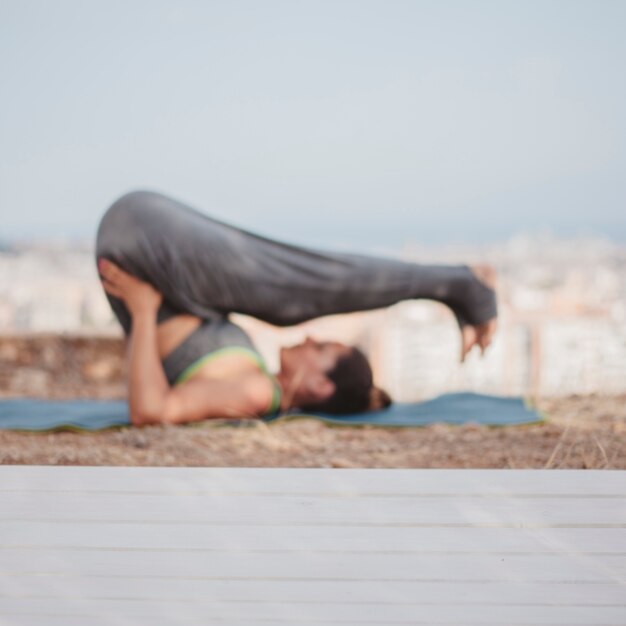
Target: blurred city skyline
{"type": "Point", "coordinates": [562, 314]}
{"type": "Point", "coordinates": [351, 124]}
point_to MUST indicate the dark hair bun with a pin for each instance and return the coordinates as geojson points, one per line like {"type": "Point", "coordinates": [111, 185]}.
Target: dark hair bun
{"type": "Point", "coordinates": [379, 399]}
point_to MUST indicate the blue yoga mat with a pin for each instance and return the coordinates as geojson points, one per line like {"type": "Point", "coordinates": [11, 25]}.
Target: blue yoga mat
{"type": "Point", "coordinates": [450, 408]}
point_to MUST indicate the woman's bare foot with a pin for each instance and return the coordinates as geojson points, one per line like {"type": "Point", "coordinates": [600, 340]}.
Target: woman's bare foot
{"type": "Point", "coordinates": [482, 334]}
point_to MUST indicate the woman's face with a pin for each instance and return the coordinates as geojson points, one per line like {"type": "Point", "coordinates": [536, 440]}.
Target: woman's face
{"type": "Point", "coordinates": [313, 356]}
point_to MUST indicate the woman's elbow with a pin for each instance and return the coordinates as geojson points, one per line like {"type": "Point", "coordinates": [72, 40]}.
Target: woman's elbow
{"type": "Point", "coordinates": [143, 418]}
{"type": "Point", "coordinates": [147, 411]}
{"type": "Point", "coordinates": [140, 419]}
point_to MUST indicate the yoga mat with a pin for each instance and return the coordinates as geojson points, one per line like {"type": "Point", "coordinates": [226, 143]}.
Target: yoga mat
{"type": "Point", "coordinates": [451, 408]}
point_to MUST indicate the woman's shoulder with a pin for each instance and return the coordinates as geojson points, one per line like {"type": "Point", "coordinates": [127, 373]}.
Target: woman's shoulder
{"type": "Point", "coordinates": [263, 390]}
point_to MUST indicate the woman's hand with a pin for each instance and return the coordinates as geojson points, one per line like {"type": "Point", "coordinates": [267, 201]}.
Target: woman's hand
{"type": "Point", "coordinates": [139, 296]}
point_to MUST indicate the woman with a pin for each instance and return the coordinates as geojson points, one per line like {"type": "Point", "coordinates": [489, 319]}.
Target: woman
{"type": "Point", "coordinates": [172, 275]}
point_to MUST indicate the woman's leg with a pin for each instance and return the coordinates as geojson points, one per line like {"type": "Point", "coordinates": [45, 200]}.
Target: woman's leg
{"type": "Point", "coordinates": [209, 268]}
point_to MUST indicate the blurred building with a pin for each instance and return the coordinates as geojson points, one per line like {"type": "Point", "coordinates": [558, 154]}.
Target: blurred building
{"type": "Point", "coordinates": [562, 323]}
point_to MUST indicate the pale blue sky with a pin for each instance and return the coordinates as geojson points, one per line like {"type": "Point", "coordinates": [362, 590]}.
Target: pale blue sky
{"type": "Point", "coordinates": [326, 123]}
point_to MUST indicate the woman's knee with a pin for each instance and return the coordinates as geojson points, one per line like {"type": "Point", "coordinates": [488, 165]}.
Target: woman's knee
{"type": "Point", "coordinates": [117, 227]}
{"type": "Point", "coordinates": [133, 205]}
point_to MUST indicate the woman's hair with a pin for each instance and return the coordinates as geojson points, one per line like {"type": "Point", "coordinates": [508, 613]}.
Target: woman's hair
{"type": "Point", "coordinates": [354, 389]}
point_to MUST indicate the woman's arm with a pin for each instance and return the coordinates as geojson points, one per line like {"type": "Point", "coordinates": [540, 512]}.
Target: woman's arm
{"type": "Point", "coordinates": [152, 401]}
{"type": "Point", "coordinates": [147, 384]}
{"type": "Point", "coordinates": [148, 387]}
{"type": "Point", "coordinates": [150, 398]}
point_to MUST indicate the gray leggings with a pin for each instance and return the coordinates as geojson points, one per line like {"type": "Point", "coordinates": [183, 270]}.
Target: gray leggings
{"type": "Point", "coordinates": [209, 268]}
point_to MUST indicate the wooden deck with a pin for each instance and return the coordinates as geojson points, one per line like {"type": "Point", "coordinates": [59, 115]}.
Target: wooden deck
{"type": "Point", "coordinates": [239, 547]}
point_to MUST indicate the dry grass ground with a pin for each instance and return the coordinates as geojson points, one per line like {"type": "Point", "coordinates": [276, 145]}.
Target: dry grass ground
{"type": "Point", "coordinates": [581, 432]}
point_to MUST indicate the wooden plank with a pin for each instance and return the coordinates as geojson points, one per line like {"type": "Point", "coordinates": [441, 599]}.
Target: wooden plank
{"type": "Point", "coordinates": [390, 511]}
{"type": "Point", "coordinates": [317, 613]}
{"type": "Point", "coordinates": [245, 546]}
{"type": "Point", "coordinates": [300, 481]}
{"type": "Point", "coordinates": [315, 564]}
{"type": "Point", "coordinates": [251, 536]}
{"type": "Point", "coordinates": [219, 587]}
{"type": "Point", "coordinates": [312, 566]}
{"type": "Point", "coordinates": [175, 619]}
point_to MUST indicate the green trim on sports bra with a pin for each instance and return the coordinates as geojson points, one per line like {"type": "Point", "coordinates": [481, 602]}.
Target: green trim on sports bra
{"type": "Point", "coordinates": [196, 365]}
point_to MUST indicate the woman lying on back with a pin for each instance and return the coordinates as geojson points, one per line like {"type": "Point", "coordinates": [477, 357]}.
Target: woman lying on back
{"type": "Point", "coordinates": [187, 360]}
